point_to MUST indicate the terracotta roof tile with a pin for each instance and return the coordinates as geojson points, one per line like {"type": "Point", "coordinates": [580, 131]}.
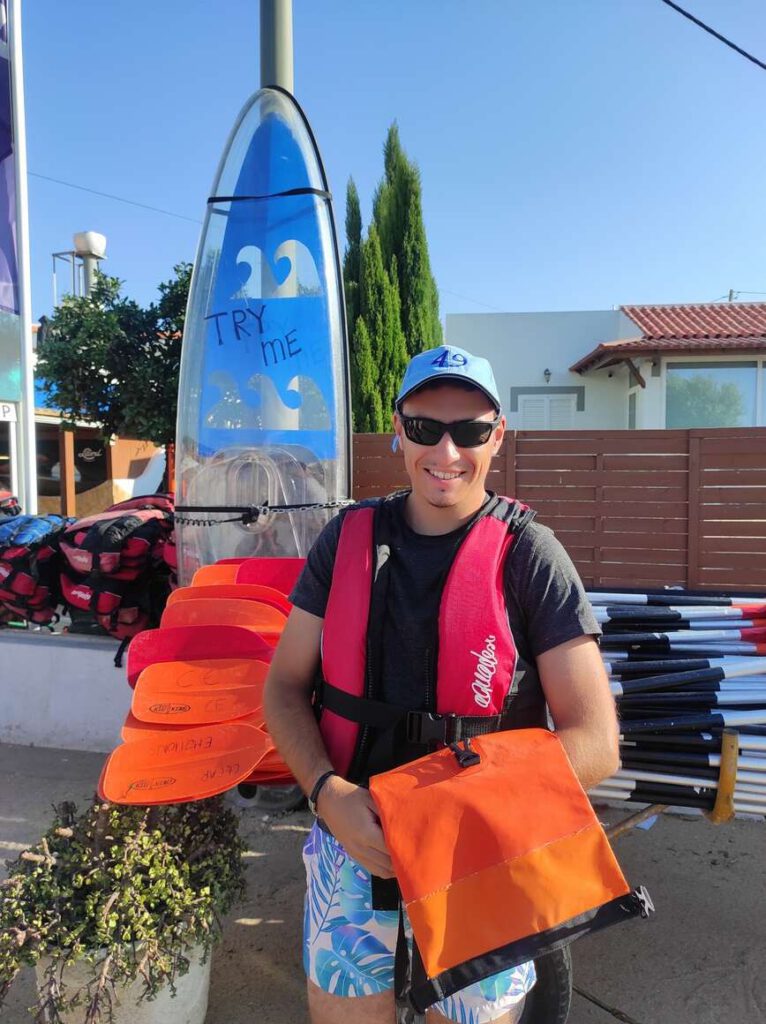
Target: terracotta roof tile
{"type": "Point", "coordinates": [746, 320]}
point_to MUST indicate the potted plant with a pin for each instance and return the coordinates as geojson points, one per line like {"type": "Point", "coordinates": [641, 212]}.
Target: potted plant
{"type": "Point", "coordinates": [117, 909]}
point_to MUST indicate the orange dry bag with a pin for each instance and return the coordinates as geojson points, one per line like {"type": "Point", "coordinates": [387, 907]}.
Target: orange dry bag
{"type": "Point", "coordinates": [499, 858]}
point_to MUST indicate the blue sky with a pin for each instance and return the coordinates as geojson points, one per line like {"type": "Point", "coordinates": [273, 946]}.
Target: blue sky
{"type": "Point", "coordinates": [575, 154]}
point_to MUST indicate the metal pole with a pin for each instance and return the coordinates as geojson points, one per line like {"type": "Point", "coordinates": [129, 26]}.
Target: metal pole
{"type": "Point", "coordinates": [27, 446]}
{"type": "Point", "coordinates": [277, 43]}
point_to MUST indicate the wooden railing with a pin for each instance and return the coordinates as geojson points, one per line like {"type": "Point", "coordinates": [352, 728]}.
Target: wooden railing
{"type": "Point", "coordinates": [634, 508]}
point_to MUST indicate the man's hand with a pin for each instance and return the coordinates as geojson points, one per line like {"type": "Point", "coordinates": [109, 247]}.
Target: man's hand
{"type": "Point", "coordinates": [351, 816]}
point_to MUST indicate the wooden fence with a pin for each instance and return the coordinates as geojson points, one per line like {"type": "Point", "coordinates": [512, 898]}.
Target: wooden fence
{"type": "Point", "coordinates": [634, 509]}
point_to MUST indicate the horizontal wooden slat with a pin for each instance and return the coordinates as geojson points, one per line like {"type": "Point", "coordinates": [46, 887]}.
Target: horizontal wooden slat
{"type": "Point", "coordinates": [752, 529]}
{"type": "Point", "coordinates": [749, 441]}
{"type": "Point", "coordinates": [733, 510]}
{"type": "Point", "coordinates": [576, 523]}
{"type": "Point", "coordinates": [646, 509]}
{"type": "Point", "coordinates": [596, 445]}
{"type": "Point", "coordinates": [661, 462]}
{"type": "Point", "coordinates": [734, 477]}
{"type": "Point", "coordinates": [733, 579]}
{"type": "Point", "coordinates": [537, 496]}
{"type": "Point", "coordinates": [642, 556]}
{"type": "Point", "coordinates": [563, 477]}
{"type": "Point", "coordinates": [628, 575]}
{"type": "Point", "coordinates": [710, 546]}
{"type": "Point", "coordinates": [712, 495]}
{"type": "Point", "coordinates": [730, 560]}
{"type": "Point", "coordinates": [648, 527]}
{"type": "Point", "coordinates": [641, 492]}
{"type": "Point", "coordinates": [751, 459]}
{"type": "Point", "coordinates": [553, 462]}
{"type": "Point", "coordinates": [649, 541]}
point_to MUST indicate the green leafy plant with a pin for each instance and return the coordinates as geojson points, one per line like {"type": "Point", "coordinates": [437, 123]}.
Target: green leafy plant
{"type": "Point", "coordinates": [129, 891]}
{"type": "Point", "coordinates": [105, 359]}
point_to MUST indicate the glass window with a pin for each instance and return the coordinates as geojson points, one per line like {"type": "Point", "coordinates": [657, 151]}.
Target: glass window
{"type": "Point", "coordinates": [632, 410]}
{"type": "Point", "coordinates": [711, 395]}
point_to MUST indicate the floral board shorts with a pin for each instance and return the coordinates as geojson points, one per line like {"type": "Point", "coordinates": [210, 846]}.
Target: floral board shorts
{"type": "Point", "coordinates": [348, 948]}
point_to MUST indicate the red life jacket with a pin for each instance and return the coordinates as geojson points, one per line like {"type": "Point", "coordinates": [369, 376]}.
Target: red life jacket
{"type": "Point", "coordinates": [474, 684]}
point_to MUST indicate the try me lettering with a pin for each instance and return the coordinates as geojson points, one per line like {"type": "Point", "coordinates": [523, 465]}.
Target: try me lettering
{"type": "Point", "coordinates": [243, 324]}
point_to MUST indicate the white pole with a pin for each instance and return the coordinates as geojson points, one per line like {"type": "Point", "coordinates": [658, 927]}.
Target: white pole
{"type": "Point", "coordinates": [13, 447]}
{"type": "Point", "coordinates": [26, 432]}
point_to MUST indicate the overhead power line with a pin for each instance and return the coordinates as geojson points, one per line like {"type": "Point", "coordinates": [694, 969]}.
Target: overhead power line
{"type": "Point", "coordinates": [467, 298]}
{"type": "Point", "coordinates": [717, 35]}
{"type": "Point", "coordinates": [117, 199]}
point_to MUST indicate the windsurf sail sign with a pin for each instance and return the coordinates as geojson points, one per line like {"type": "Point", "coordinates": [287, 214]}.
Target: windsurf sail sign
{"type": "Point", "coordinates": [264, 415]}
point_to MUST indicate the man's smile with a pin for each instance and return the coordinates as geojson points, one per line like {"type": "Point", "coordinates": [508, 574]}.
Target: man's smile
{"type": "Point", "coordinates": [440, 474]}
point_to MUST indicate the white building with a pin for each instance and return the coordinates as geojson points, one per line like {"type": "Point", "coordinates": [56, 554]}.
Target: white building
{"type": "Point", "coordinates": [636, 367]}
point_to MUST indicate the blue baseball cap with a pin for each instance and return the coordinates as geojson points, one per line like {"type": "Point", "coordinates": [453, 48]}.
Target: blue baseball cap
{"type": "Point", "coordinates": [446, 363]}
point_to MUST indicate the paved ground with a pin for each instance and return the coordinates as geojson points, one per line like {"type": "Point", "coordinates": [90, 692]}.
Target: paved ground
{"type": "Point", "coordinates": [699, 961]}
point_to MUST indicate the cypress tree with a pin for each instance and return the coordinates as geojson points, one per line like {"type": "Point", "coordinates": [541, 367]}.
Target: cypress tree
{"type": "Point", "coordinates": [368, 408]}
{"type": "Point", "coordinates": [398, 214]}
{"type": "Point", "coordinates": [352, 253]}
{"type": "Point", "coordinates": [380, 310]}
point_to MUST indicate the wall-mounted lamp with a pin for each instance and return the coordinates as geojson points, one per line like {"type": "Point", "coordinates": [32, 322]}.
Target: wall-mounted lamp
{"type": "Point", "coordinates": [547, 375]}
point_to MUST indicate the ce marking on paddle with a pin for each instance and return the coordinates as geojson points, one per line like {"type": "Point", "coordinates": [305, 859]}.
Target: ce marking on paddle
{"type": "Point", "coordinates": [191, 678]}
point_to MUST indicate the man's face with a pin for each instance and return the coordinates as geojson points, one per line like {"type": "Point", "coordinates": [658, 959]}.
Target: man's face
{"type": "Point", "coordinates": [444, 475]}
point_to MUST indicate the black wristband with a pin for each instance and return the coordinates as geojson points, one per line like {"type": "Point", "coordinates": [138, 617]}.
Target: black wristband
{"type": "Point", "coordinates": [318, 785]}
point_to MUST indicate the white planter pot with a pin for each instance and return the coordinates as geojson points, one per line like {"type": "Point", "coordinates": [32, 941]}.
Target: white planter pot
{"type": "Point", "coordinates": [188, 1006]}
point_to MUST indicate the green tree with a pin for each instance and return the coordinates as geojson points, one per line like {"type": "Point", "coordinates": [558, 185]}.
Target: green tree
{"type": "Point", "coordinates": [398, 215]}
{"type": "Point", "coordinates": [380, 311]}
{"type": "Point", "coordinates": [105, 359]}
{"type": "Point", "coordinates": [368, 408]}
{"type": "Point", "coordinates": [698, 401]}
{"type": "Point", "coordinates": [352, 254]}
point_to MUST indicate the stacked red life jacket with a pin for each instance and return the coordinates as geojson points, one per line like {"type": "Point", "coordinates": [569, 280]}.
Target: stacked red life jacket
{"type": "Point", "coordinates": [28, 566]}
{"type": "Point", "coordinates": [9, 505]}
{"type": "Point", "coordinates": [108, 558]}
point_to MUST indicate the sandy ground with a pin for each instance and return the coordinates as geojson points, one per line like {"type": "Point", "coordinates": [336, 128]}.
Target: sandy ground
{"type": "Point", "coordinates": [698, 961]}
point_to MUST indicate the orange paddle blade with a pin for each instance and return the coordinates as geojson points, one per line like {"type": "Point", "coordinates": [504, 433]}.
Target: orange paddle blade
{"type": "Point", "coordinates": [199, 692]}
{"type": "Point", "coordinates": [183, 765]}
{"type": "Point", "coordinates": [192, 643]}
{"type": "Point", "coordinates": [239, 591]}
{"type": "Point", "coordinates": [215, 611]}
{"type": "Point", "coordinates": [214, 574]}
{"type": "Point", "coordinates": [134, 729]}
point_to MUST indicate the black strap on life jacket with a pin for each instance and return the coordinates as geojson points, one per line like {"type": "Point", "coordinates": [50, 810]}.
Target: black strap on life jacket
{"type": "Point", "coordinates": [419, 727]}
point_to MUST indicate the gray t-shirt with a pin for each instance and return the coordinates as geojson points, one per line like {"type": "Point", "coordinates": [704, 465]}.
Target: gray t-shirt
{"type": "Point", "coordinates": [544, 597]}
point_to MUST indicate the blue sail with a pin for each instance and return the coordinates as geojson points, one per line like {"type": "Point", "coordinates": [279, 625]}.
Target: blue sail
{"type": "Point", "coordinates": [263, 401]}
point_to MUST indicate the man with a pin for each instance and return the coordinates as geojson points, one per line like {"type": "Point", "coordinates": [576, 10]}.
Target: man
{"type": "Point", "coordinates": [448, 423]}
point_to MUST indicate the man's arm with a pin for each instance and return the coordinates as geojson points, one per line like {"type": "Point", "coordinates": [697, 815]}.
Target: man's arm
{"type": "Point", "coordinates": [576, 688]}
{"type": "Point", "coordinates": [347, 809]}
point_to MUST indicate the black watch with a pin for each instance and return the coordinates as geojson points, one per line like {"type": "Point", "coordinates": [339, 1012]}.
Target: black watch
{"type": "Point", "coordinates": [318, 785]}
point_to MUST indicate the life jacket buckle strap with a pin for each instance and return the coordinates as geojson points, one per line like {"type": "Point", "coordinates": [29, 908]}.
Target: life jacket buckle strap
{"type": "Point", "coordinates": [427, 727]}
{"type": "Point", "coordinates": [466, 755]}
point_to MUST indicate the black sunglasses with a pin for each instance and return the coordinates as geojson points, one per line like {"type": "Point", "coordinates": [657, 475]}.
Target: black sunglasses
{"type": "Point", "coordinates": [464, 433]}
